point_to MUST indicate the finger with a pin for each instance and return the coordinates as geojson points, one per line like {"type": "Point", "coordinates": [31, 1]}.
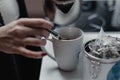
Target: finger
{"type": "Point", "coordinates": [44, 33]}
{"type": "Point", "coordinates": [38, 24]}
{"type": "Point", "coordinates": [31, 54]}
{"type": "Point", "coordinates": [34, 41]}
{"type": "Point", "coordinates": [23, 31]}
{"type": "Point", "coordinates": [35, 22]}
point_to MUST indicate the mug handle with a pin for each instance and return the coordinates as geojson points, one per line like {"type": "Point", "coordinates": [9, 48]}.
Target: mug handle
{"type": "Point", "coordinates": [48, 53]}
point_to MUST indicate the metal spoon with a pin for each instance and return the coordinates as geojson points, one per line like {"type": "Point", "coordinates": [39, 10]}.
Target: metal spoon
{"type": "Point", "coordinates": [56, 34]}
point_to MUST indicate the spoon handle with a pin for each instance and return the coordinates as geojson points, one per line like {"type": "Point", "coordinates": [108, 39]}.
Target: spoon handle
{"type": "Point", "coordinates": [53, 32]}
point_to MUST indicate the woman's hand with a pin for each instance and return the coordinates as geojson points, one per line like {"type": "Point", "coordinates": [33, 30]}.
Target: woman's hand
{"type": "Point", "coordinates": [15, 36]}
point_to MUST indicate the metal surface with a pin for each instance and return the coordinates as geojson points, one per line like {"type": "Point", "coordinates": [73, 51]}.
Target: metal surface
{"type": "Point", "coordinates": [62, 12]}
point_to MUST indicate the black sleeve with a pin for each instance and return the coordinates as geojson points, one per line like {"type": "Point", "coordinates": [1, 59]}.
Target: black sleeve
{"type": "Point", "coordinates": [16, 67]}
{"type": "Point", "coordinates": [22, 8]}
{"type": "Point", "coordinates": [29, 69]}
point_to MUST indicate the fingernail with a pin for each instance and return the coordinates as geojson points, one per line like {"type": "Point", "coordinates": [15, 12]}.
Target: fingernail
{"type": "Point", "coordinates": [43, 54]}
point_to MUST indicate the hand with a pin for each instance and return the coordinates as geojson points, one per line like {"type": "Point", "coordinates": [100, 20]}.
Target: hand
{"type": "Point", "coordinates": [15, 36]}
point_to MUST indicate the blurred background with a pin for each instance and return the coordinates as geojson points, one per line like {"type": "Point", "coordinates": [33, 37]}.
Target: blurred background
{"type": "Point", "coordinates": [109, 10]}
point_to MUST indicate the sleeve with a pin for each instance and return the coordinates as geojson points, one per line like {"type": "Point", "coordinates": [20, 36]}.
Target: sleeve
{"type": "Point", "coordinates": [22, 8]}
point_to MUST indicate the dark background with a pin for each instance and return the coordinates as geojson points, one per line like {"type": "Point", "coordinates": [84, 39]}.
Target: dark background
{"type": "Point", "coordinates": [101, 8]}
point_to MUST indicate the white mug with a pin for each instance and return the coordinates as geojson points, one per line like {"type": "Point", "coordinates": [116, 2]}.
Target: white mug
{"type": "Point", "coordinates": [67, 51]}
